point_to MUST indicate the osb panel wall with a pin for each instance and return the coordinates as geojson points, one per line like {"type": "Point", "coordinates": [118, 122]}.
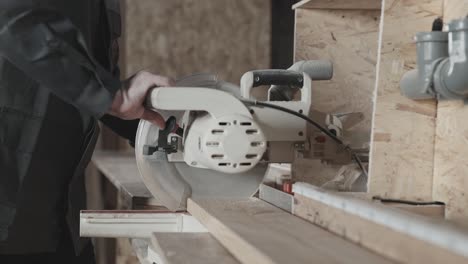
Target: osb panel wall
{"type": "Point", "coordinates": [451, 145]}
{"type": "Point", "coordinates": [181, 37]}
{"type": "Point", "coordinates": [402, 153]}
{"type": "Point", "coordinates": [349, 39]}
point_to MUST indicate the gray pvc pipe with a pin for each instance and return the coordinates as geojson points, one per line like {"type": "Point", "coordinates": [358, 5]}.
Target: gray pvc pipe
{"type": "Point", "coordinates": [431, 47]}
{"type": "Point", "coordinates": [451, 76]}
{"type": "Point", "coordinates": [412, 87]}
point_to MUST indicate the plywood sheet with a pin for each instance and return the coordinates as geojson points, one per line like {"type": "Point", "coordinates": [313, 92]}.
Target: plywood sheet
{"type": "Point", "coordinates": [451, 147]}
{"type": "Point", "coordinates": [349, 39]}
{"type": "Point", "coordinates": [191, 248]}
{"type": "Point", "coordinates": [403, 134]}
{"type": "Point", "coordinates": [340, 4]}
{"type": "Point", "coordinates": [257, 232]}
{"type": "Point", "coordinates": [181, 37]}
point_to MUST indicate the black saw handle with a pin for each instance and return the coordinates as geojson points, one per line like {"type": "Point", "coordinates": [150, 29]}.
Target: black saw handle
{"type": "Point", "coordinates": [277, 77]}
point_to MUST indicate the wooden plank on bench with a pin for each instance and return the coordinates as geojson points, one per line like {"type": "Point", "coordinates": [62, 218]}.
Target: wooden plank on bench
{"type": "Point", "coordinates": [257, 232]}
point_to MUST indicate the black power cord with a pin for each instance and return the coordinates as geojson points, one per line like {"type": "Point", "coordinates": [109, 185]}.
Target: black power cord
{"type": "Point", "coordinates": [314, 123]}
{"type": "Point", "coordinates": [385, 200]}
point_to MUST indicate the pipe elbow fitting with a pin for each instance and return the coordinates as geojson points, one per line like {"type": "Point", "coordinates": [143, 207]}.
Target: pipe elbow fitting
{"type": "Point", "coordinates": [431, 48]}
{"type": "Point", "coordinates": [412, 87]}
{"type": "Point", "coordinates": [451, 75]}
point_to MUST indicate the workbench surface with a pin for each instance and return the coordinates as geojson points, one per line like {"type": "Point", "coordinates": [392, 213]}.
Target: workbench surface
{"type": "Point", "coordinates": [121, 170]}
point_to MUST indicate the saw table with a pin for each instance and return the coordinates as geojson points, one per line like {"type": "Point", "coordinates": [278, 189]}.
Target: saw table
{"type": "Point", "coordinates": [134, 212]}
{"type": "Point", "coordinates": [313, 223]}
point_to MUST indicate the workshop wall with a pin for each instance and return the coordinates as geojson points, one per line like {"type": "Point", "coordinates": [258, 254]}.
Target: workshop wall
{"type": "Point", "coordinates": [451, 146]}
{"type": "Point", "coordinates": [182, 37]}
{"type": "Point", "coordinates": [349, 39]}
{"type": "Point", "coordinates": [402, 152]}
{"type": "Point", "coordinates": [348, 36]}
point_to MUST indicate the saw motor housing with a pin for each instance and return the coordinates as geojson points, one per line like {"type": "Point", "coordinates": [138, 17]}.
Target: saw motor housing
{"type": "Point", "coordinates": [221, 133]}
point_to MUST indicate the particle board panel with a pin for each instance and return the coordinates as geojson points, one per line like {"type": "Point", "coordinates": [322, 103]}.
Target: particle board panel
{"type": "Point", "coordinates": [399, 235]}
{"type": "Point", "coordinates": [340, 4]}
{"type": "Point", "coordinates": [451, 147]}
{"type": "Point", "coordinates": [182, 37]}
{"type": "Point", "coordinates": [191, 248]}
{"type": "Point", "coordinates": [349, 38]}
{"type": "Point", "coordinates": [257, 232]}
{"type": "Point", "coordinates": [403, 133]}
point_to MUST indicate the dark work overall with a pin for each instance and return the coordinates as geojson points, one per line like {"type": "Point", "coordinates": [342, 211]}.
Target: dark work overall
{"type": "Point", "coordinates": [58, 76]}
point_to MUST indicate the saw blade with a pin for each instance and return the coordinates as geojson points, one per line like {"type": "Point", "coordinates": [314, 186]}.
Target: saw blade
{"type": "Point", "coordinates": [172, 183]}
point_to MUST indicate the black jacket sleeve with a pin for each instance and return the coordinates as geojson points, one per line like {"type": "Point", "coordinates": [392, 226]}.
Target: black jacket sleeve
{"type": "Point", "coordinates": [124, 128]}
{"type": "Point", "coordinates": [51, 50]}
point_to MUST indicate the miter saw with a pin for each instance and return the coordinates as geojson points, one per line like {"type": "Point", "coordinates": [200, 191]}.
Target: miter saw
{"type": "Point", "coordinates": [219, 138]}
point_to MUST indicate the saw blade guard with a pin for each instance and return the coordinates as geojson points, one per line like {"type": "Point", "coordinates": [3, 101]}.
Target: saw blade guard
{"type": "Point", "coordinates": [172, 183]}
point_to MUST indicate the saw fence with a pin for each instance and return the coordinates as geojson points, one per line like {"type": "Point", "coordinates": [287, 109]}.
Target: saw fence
{"type": "Point", "coordinates": [415, 208]}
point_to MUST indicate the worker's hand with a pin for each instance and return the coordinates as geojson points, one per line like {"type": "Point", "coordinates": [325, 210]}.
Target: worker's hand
{"type": "Point", "coordinates": [129, 100]}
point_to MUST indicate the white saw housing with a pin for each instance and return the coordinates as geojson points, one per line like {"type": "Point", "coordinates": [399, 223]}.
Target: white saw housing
{"type": "Point", "coordinates": [230, 144]}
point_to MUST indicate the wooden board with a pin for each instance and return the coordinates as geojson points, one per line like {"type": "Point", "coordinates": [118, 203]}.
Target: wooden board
{"type": "Point", "coordinates": [340, 4]}
{"type": "Point", "coordinates": [191, 248]}
{"type": "Point", "coordinates": [403, 133]}
{"type": "Point", "coordinates": [349, 39]}
{"type": "Point", "coordinates": [451, 147]}
{"type": "Point", "coordinates": [257, 232]}
{"type": "Point", "coordinates": [402, 236]}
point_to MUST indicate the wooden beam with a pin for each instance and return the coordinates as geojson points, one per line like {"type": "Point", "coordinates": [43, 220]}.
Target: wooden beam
{"type": "Point", "coordinates": [339, 4]}
{"type": "Point", "coordinates": [403, 133]}
{"type": "Point", "coordinates": [193, 248]}
{"type": "Point", "coordinates": [257, 232]}
{"type": "Point", "coordinates": [451, 147]}
{"type": "Point", "coordinates": [400, 235]}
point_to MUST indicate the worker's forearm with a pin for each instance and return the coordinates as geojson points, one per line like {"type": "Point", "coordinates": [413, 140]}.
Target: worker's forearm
{"type": "Point", "coordinates": [51, 50]}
